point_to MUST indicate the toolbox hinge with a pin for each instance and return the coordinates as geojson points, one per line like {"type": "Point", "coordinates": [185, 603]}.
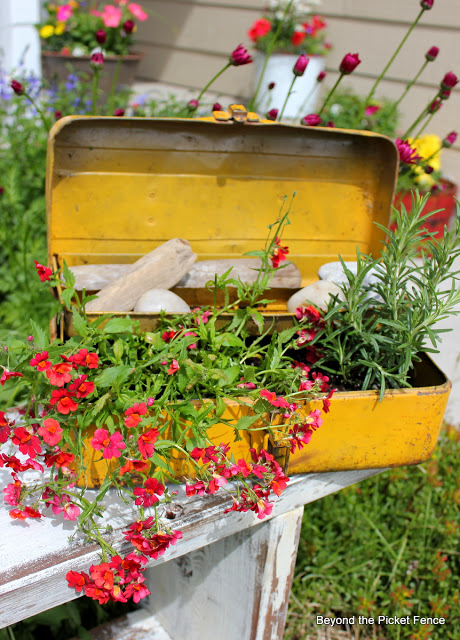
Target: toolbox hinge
{"type": "Point", "coordinates": [236, 113]}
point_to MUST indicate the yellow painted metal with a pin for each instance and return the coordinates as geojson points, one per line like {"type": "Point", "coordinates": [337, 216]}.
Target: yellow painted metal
{"type": "Point", "coordinates": [117, 188]}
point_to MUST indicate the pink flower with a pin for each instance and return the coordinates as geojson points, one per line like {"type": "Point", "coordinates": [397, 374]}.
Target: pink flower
{"type": "Point", "coordinates": [217, 106]}
{"type": "Point", "coordinates": [28, 444]}
{"type": "Point", "coordinates": [101, 36]}
{"type": "Point", "coordinates": [321, 76]}
{"type": "Point", "coordinates": [6, 375]}
{"type": "Point", "coordinates": [450, 139]}
{"type": "Point", "coordinates": [111, 445]}
{"type": "Point", "coordinates": [146, 442]}
{"type": "Point", "coordinates": [279, 254]}
{"type": "Point", "coordinates": [240, 56]}
{"type": "Point", "coordinates": [18, 90]}
{"type": "Point", "coordinates": [51, 431]}
{"type": "Point", "coordinates": [81, 386]}
{"type": "Point", "coordinates": [12, 492]}
{"type": "Point", "coordinates": [119, 113]}
{"type": "Point", "coordinates": [97, 60]}
{"type": "Point", "coordinates": [148, 494]}
{"type": "Point", "coordinates": [427, 4]}
{"type": "Point", "coordinates": [134, 413]}
{"type": "Point", "coordinates": [349, 63]}
{"type": "Point", "coordinates": [435, 105]}
{"type": "Point", "coordinates": [173, 368]}
{"type": "Point", "coordinates": [431, 54]}
{"type": "Point", "coordinates": [274, 400]}
{"type": "Point", "coordinates": [371, 109]}
{"type": "Point", "coordinates": [449, 81]}
{"type": "Point", "coordinates": [137, 11]}
{"type": "Point", "coordinates": [84, 358]}
{"type": "Point", "coordinates": [272, 114]}
{"type": "Point", "coordinates": [59, 374]}
{"type": "Point", "coordinates": [111, 16]}
{"type": "Point", "coordinates": [193, 104]}
{"type": "Point", "coordinates": [259, 29]}
{"type": "Point", "coordinates": [63, 400]}
{"type": "Point", "coordinates": [300, 65]}
{"type": "Point", "coordinates": [407, 154]}
{"type": "Point", "coordinates": [62, 504]}
{"type": "Point", "coordinates": [312, 120]}
{"type": "Point", "coordinates": [64, 12]}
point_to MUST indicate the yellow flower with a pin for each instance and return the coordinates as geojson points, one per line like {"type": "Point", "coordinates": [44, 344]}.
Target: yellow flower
{"type": "Point", "coordinates": [74, 4]}
{"type": "Point", "coordinates": [60, 28]}
{"type": "Point", "coordinates": [427, 146]}
{"type": "Point", "coordinates": [46, 31]}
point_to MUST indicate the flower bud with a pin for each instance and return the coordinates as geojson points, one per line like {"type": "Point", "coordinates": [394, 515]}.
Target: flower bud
{"type": "Point", "coordinates": [271, 86]}
{"type": "Point", "coordinates": [17, 87]}
{"type": "Point", "coordinates": [217, 106]}
{"type": "Point", "coordinates": [428, 169]}
{"type": "Point", "coordinates": [450, 139]}
{"type": "Point", "coordinates": [349, 63]}
{"type": "Point", "coordinates": [240, 56]}
{"type": "Point", "coordinates": [321, 76]}
{"type": "Point", "coordinates": [300, 65]}
{"type": "Point", "coordinates": [272, 114]}
{"type": "Point", "coordinates": [449, 81]}
{"type": "Point", "coordinates": [312, 120]}
{"type": "Point", "coordinates": [128, 26]}
{"type": "Point", "coordinates": [58, 114]}
{"type": "Point", "coordinates": [435, 105]}
{"type": "Point", "coordinates": [444, 94]}
{"type": "Point", "coordinates": [119, 112]}
{"type": "Point", "coordinates": [193, 105]}
{"type": "Point", "coordinates": [330, 124]}
{"type": "Point", "coordinates": [101, 36]}
{"type": "Point", "coordinates": [427, 4]}
{"type": "Point", "coordinates": [97, 60]}
{"type": "Point", "coordinates": [432, 53]}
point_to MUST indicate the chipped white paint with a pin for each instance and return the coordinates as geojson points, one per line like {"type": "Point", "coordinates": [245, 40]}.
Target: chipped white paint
{"type": "Point", "coordinates": [35, 556]}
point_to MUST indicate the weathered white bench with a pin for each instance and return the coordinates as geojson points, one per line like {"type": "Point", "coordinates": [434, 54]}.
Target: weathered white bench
{"type": "Point", "coordinates": [228, 578]}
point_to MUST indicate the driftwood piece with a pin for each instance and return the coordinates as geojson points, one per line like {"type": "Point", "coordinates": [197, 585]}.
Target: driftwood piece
{"type": "Point", "coordinates": [94, 277]}
{"type": "Point", "coordinates": [162, 268]}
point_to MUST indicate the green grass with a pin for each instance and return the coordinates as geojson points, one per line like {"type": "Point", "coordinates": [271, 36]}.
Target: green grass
{"type": "Point", "coordinates": [388, 546]}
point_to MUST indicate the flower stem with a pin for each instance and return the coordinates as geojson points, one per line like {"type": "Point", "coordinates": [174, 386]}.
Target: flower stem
{"type": "Point", "coordinates": [213, 79]}
{"type": "Point", "coordinates": [95, 87]}
{"type": "Point", "coordinates": [423, 127]}
{"type": "Point", "coordinates": [287, 98]}
{"type": "Point", "coordinates": [306, 101]}
{"type": "Point", "coordinates": [408, 87]}
{"type": "Point", "coordinates": [391, 60]}
{"type": "Point", "coordinates": [419, 119]}
{"type": "Point", "coordinates": [270, 48]}
{"type": "Point", "coordinates": [329, 95]}
{"type": "Point", "coordinates": [115, 82]}
{"type": "Point", "coordinates": [43, 118]}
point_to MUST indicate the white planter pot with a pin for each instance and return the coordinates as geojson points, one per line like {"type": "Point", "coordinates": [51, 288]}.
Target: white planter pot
{"type": "Point", "coordinates": [304, 97]}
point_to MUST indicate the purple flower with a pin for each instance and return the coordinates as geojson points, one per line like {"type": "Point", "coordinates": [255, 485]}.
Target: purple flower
{"type": "Point", "coordinates": [217, 106]}
{"type": "Point", "coordinates": [431, 54]}
{"type": "Point", "coordinates": [349, 63]}
{"type": "Point", "coordinates": [97, 60]}
{"type": "Point", "coordinates": [240, 56]}
{"type": "Point", "coordinates": [193, 105]}
{"type": "Point", "coordinates": [449, 81]}
{"type": "Point", "coordinates": [300, 65]}
{"type": "Point", "coordinates": [427, 4]}
{"type": "Point", "coordinates": [272, 114]}
{"type": "Point", "coordinates": [450, 139]}
{"type": "Point", "coordinates": [321, 76]}
{"type": "Point", "coordinates": [435, 105]}
{"type": "Point", "coordinates": [312, 120]}
{"type": "Point", "coordinates": [407, 154]}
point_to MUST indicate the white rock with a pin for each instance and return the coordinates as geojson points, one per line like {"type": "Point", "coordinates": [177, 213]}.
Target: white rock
{"type": "Point", "coordinates": [317, 293]}
{"type": "Point", "coordinates": [156, 300]}
{"type": "Point", "coordinates": [334, 272]}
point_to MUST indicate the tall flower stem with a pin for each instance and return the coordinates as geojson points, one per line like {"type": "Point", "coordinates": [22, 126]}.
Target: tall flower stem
{"type": "Point", "coordinates": [95, 88]}
{"type": "Point", "coordinates": [419, 119]}
{"type": "Point", "coordinates": [388, 65]}
{"type": "Point", "coordinates": [213, 79]}
{"type": "Point", "coordinates": [287, 98]}
{"type": "Point", "coordinates": [330, 94]}
{"type": "Point", "coordinates": [407, 89]}
{"type": "Point", "coordinates": [306, 101]}
{"type": "Point", "coordinates": [423, 127]}
{"type": "Point", "coordinates": [43, 118]}
{"type": "Point", "coordinates": [270, 48]}
{"type": "Point", "coordinates": [115, 81]}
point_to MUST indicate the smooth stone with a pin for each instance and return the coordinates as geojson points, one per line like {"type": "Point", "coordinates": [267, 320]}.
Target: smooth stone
{"type": "Point", "coordinates": [333, 271]}
{"type": "Point", "coordinates": [156, 300]}
{"type": "Point", "coordinates": [317, 293]}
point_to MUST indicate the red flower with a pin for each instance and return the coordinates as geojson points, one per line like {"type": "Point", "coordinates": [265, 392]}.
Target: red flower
{"type": "Point", "coordinates": [77, 580]}
{"type": "Point", "coordinates": [279, 254]}
{"type": "Point", "coordinates": [6, 375]}
{"type": "Point", "coordinates": [5, 427]}
{"type": "Point", "coordinates": [111, 445]}
{"type": "Point", "coordinates": [271, 86]}
{"type": "Point", "coordinates": [167, 336]}
{"type": "Point", "coordinates": [407, 154]}
{"type": "Point", "coordinates": [137, 590]}
{"type": "Point", "coordinates": [449, 81]}
{"type": "Point", "coordinates": [137, 466]}
{"type": "Point", "coordinates": [44, 273]}
{"type": "Point", "coordinates": [371, 109]}
{"type": "Point", "coordinates": [427, 4]}
{"type": "Point", "coordinates": [217, 106]}
{"type": "Point", "coordinates": [431, 54]}
{"type": "Point", "coordinates": [146, 442]}
{"type": "Point", "coordinates": [41, 361]}
{"type": "Point", "coordinates": [173, 368]}
{"type": "Point", "coordinates": [298, 37]}
{"type": "Point", "coordinates": [29, 444]}
{"type": "Point", "coordinates": [159, 542]}
{"type": "Point", "coordinates": [134, 414]}
{"type": "Point", "coordinates": [312, 120]}
{"type": "Point", "coordinates": [51, 431]}
{"type": "Point", "coordinates": [84, 358]}
{"type": "Point", "coordinates": [240, 56]}
{"type": "Point", "coordinates": [59, 374]}
{"type": "Point", "coordinates": [259, 29]}
{"type": "Point", "coordinates": [450, 139]}
{"type": "Point", "coordinates": [61, 459]}
{"type": "Point", "coordinates": [101, 36]}
{"type": "Point", "coordinates": [97, 60]}
{"type": "Point", "coordinates": [300, 65]}
{"type": "Point", "coordinates": [273, 399]}
{"type": "Point", "coordinates": [81, 387]}
{"type": "Point", "coordinates": [349, 63]}
{"type": "Point", "coordinates": [64, 401]}
{"type": "Point", "coordinates": [128, 26]}
{"type": "Point", "coordinates": [147, 495]}
{"type": "Point", "coordinates": [12, 492]}
{"type": "Point", "coordinates": [17, 87]}
{"type": "Point", "coordinates": [27, 512]}
{"type": "Point", "coordinates": [101, 595]}
{"type": "Point", "coordinates": [58, 114]}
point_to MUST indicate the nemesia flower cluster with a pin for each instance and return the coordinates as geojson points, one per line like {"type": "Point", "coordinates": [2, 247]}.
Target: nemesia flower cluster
{"type": "Point", "coordinates": [78, 28]}
{"type": "Point", "coordinates": [124, 402]}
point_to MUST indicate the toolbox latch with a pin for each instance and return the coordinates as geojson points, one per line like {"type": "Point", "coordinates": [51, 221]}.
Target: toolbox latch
{"type": "Point", "coordinates": [236, 113]}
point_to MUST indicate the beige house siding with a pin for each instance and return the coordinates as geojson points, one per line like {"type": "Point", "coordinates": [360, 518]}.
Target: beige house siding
{"type": "Point", "coordinates": [187, 41]}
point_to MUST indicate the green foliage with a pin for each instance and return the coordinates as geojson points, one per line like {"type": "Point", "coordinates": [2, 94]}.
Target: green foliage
{"type": "Point", "coordinates": [373, 338]}
{"type": "Point", "coordinates": [388, 546]}
{"type": "Point", "coordinates": [346, 107]}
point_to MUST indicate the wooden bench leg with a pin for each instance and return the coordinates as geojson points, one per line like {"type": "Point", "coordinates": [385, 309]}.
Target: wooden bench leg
{"type": "Point", "coordinates": [234, 589]}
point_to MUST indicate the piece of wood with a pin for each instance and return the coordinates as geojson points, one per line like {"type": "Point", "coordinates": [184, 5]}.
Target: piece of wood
{"type": "Point", "coordinates": [35, 556]}
{"type": "Point", "coordinates": [237, 587]}
{"type": "Point", "coordinates": [94, 277]}
{"type": "Point", "coordinates": [162, 268]}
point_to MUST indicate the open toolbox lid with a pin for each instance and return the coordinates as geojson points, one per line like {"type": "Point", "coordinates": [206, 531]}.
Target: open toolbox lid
{"type": "Point", "coordinates": [119, 187]}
